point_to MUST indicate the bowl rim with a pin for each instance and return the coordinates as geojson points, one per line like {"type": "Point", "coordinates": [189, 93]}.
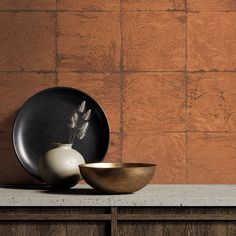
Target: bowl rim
{"type": "Point", "coordinates": [116, 165]}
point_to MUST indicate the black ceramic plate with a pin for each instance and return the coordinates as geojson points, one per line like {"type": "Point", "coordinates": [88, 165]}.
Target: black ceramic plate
{"type": "Point", "coordinates": [43, 120]}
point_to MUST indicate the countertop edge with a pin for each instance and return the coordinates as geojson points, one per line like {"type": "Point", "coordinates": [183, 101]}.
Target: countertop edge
{"type": "Point", "coordinates": [150, 196]}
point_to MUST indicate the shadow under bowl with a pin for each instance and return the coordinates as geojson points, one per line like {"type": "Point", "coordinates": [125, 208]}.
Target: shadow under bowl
{"type": "Point", "coordinates": [117, 178]}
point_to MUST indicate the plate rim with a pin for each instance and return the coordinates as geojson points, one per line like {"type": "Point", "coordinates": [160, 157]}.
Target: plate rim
{"type": "Point", "coordinates": [13, 139]}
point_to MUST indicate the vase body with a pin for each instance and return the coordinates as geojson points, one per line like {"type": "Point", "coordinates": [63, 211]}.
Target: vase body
{"type": "Point", "coordinates": [59, 167]}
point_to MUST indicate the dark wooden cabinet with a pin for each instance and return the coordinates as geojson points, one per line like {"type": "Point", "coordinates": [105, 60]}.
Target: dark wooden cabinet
{"type": "Point", "coordinates": [122, 221]}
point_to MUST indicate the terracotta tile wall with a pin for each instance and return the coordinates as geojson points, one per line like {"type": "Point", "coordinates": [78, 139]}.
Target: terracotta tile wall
{"type": "Point", "coordinates": [164, 71]}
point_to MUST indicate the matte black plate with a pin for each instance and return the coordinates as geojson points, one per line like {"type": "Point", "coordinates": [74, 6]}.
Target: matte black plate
{"type": "Point", "coordinates": [43, 120]}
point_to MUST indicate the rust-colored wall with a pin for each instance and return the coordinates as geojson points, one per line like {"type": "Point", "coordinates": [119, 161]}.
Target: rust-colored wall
{"type": "Point", "coordinates": [163, 71]}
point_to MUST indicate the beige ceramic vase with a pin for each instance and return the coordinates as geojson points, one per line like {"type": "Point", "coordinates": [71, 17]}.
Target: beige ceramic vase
{"type": "Point", "coordinates": [59, 167]}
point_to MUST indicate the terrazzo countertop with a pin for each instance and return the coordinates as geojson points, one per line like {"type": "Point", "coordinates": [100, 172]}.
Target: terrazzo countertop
{"type": "Point", "coordinates": [151, 195]}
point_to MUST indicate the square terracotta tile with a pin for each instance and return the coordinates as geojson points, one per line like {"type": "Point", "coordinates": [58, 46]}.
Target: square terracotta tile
{"type": "Point", "coordinates": [27, 41]}
{"type": "Point", "coordinates": [27, 4]}
{"type": "Point", "coordinates": [154, 41]}
{"type": "Point", "coordinates": [15, 89]}
{"type": "Point", "coordinates": [211, 158]}
{"type": "Point", "coordinates": [154, 102]}
{"type": "Point", "coordinates": [104, 88]}
{"type": "Point", "coordinates": [166, 150]}
{"type": "Point", "coordinates": [86, 42]}
{"type": "Point", "coordinates": [160, 5]}
{"type": "Point", "coordinates": [12, 171]}
{"type": "Point", "coordinates": [114, 150]}
{"type": "Point", "coordinates": [211, 41]}
{"type": "Point", "coordinates": [212, 101]}
{"type": "Point", "coordinates": [88, 5]}
{"type": "Point", "coordinates": [211, 5]}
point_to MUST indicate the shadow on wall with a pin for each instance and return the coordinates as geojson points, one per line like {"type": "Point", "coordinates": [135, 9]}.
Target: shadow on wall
{"type": "Point", "coordinates": [12, 171]}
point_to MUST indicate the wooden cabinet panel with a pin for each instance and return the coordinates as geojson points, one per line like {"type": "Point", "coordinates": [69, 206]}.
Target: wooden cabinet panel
{"type": "Point", "coordinates": [87, 229]}
{"type": "Point", "coordinates": [121, 221]}
{"type": "Point", "coordinates": [221, 228]}
{"type": "Point", "coordinates": [140, 228]}
{"type": "Point", "coordinates": [48, 228]}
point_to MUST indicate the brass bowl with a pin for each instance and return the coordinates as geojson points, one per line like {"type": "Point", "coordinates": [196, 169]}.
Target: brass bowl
{"type": "Point", "coordinates": [117, 177]}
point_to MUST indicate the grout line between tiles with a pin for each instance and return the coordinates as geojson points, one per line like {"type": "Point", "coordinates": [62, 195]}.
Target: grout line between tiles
{"type": "Point", "coordinates": [211, 71]}
{"type": "Point", "coordinates": [186, 62]}
{"type": "Point", "coordinates": [185, 6]}
{"type": "Point", "coordinates": [89, 72]}
{"type": "Point", "coordinates": [183, 132]}
{"type": "Point", "coordinates": [218, 11]}
{"type": "Point", "coordinates": [160, 71]}
{"type": "Point", "coordinates": [25, 10]}
{"type": "Point", "coordinates": [36, 72]}
{"type": "Point", "coordinates": [186, 91]}
{"type": "Point", "coordinates": [56, 73]}
{"type": "Point", "coordinates": [117, 72]}
{"type": "Point", "coordinates": [56, 53]}
{"type": "Point", "coordinates": [81, 11]}
{"type": "Point", "coordinates": [212, 132]}
{"type": "Point", "coordinates": [136, 10]}
{"type": "Point", "coordinates": [54, 10]}
{"type": "Point", "coordinates": [121, 83]}
{"type": "Point", "coordinates": [120, 71]}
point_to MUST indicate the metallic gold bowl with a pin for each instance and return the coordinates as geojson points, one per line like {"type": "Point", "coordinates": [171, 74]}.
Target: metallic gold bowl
{"type": "Point", "coordinates": [117, 177]}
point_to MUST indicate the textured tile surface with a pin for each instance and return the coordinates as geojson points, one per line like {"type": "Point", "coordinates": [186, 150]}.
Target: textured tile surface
{"type": "Point", "coordinates": [86, 42]}
{"type": "Point", "coordinates": [154, 102]}
{"type": "Point", "coordinates": [211, 158]}
{"type": "Point", "coordinates": [105, 88]}
{"type": "Point", "coordinates": [212, 101]}
{"type": "Point", "coordinates": [166, 150]}
{"type": "Point", "coordinates": [28, 4]}
{"type": "Point", "coordinates": [89, 5]}
{"type": "Point", "coordinates": [154, 41]}
{"type": "Point", "coordinates": [27, 41]}
{"type": "Point", "coordinates": [159, 68]}
{"type": "Point", "coordinates": [153, 5]}
{"type": "Point", "coordinates": [211, 5]}
{"type": "Point", "coordinates": [15, 89]}
{"type": "Point", "coordinates": [114, 150]}
{"type": "Point", "coordinates": [211, 41]}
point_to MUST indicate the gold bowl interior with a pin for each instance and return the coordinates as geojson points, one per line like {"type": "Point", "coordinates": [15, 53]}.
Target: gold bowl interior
{"type": "Point", "coordinates": [117, 177]}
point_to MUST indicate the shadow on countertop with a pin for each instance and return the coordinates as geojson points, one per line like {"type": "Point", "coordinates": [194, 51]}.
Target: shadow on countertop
{"type": "Point", "coordinates": [25, 186]}
{"type": "Point", "coordinates": [45, 189]}
{"type": "Point", "coordinates": [84, 191]}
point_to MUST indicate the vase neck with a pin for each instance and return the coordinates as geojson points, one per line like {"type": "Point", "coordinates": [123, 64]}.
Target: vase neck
{"type": "Point", "coordinates": [65, 145]}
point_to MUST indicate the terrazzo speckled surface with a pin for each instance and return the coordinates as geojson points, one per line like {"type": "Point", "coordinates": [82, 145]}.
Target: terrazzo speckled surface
{"type": "Point", "coordinates": [151, 195]}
